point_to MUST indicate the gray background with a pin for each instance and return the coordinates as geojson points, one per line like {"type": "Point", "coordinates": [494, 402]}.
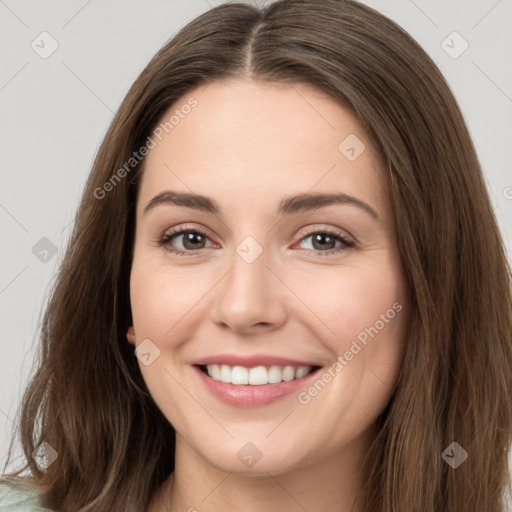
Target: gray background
{"type": "Point", "coordinates": [55, 112]}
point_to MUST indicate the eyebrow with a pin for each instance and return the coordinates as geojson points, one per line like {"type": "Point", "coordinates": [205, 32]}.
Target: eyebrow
{"type": "Point", "coordinates": [288, 205]}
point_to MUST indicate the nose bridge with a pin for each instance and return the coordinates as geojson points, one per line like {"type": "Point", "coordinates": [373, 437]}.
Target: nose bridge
{"type": "Point", "coordinates": [250, 293]}
{"type": "Point", "coordinates": [247, 282]}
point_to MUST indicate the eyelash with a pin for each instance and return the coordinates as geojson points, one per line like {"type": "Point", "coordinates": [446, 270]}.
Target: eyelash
{"type": "Point", "coordinates": [164, 241]}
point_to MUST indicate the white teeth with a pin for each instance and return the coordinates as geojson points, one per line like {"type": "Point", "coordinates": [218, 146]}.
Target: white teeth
{"type": "Point", "coordinates": [215, 371]}
{"type": "Point", "coordinates": [240, 375]}
{"type": "Point", "coordinates": [301, 372]}
{"type": "Point", "coordinates": [288, 373]}
{"type": "Point", "coordinates": [274, 375]}
{"type": "Point", "coordinates": [257, 376]}
{"type": "Point", "coordinates": [225, 373]}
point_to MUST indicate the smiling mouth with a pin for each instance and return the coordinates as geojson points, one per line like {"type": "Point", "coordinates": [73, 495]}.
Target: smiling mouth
{"type": "Point", "coordinates": [255, 376]}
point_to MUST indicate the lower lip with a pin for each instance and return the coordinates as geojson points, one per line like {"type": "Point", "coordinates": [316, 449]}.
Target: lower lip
{"type": "Point", "coordinates": [250, 395]}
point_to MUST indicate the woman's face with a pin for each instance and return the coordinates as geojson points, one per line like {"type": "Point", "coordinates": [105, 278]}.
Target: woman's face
{"type": "Point", "coordinates": [272, 281]}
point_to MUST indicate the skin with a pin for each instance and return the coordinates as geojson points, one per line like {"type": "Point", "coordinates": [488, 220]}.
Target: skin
{"type": "Point", "coordinates": [247, 145]}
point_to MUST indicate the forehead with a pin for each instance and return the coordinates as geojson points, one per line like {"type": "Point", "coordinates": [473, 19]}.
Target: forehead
{"type": "Point", "coordinates": [248, 144]}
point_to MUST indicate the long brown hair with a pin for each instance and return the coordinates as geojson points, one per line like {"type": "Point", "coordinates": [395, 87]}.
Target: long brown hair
{"type": "Point", "coordinates": [87, 398]}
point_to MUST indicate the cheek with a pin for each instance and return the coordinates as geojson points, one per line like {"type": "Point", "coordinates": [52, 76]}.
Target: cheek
{"type": "Point", "coordinates": [351, 302]}
{"type": "Point", "coordinates": [364, 317]}
{"type": "Point", "coordinates": [162, 308]}
{"type": "Point", "coordinates": [161, 298]}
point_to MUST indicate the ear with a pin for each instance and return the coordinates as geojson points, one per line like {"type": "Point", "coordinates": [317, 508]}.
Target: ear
{"type": "Point", "coordinates": [130, 335]}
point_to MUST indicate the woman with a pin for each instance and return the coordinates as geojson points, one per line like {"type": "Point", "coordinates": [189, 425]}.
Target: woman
{"type": "Point", "coordinates": [285, 288]}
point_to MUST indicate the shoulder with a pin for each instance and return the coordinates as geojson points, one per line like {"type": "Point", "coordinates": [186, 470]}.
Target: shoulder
{"type": "Point", "coordinates": [19, 498]}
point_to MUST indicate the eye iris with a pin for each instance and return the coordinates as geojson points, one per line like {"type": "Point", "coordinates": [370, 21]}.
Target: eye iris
{"type": "Point", "coordinates": [319, 236]}
{"type": "Point", "coordinates": [192, 237]}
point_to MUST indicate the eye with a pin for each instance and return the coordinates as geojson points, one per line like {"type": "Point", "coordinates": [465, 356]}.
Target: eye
{"type": "Point", "coordinates": [326, 239]}
{"type": "Point", "coordinates": [192, 240]}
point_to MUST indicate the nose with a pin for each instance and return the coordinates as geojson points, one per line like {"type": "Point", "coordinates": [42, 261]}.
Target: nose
{"type": "Point", "coordinates": [250, 298]}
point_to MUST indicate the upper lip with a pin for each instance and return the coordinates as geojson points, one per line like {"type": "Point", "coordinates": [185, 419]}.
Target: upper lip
{"type": "Point", "coordinates": [251, 361]}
